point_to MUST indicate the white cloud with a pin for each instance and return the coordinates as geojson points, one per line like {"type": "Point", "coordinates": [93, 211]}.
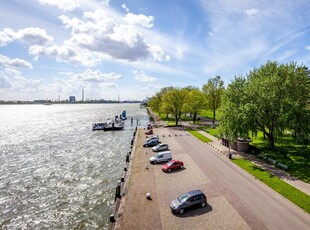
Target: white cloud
{"type": "Point", "coordinates": [124, 6]}
{"type": "Point", "coordinates": [27, 85]}
{"type": "Point", "coordinates": [14, 63]}
{"type": "Point", "coordinates": [96, 76]}
{"type": "Point", "coordinates": [141, 76]}
{"type": "Point", "coordinates": [29, 36]}
{"type": "Point", "coordinates": [65, 53]}
{"type": "Point", "coordinates": [307, 48]}
{"type": "Point", "coordinates": [251, 11]}
{"type": "Point", "coordinates": [108, 35]}
{"type": "Point", "coordinates": [4, 38]}
{"type": "Point", "coordinates": [66, 5]}
{"type": "Point", "coordinates": [4, 82]}
{"type": "Point", "coordinates": [98, 35]}
{"type": "Point", "coordinates": [66, 73]}
{"type": "Point", "coordinates": [158, 53]}
{"type": "Point", "coordinates": [245, 32]}
{"type": "Point", "coordinates": [140, 19]}
{"type": "Point", "coordinates": [16, 82]}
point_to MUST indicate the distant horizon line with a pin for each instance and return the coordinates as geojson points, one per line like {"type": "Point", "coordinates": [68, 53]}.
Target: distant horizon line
{"type": "Point", "coordinates": [68, 102]}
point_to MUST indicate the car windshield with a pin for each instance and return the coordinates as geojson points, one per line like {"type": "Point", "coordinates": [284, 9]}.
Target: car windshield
{"type": "Point", "coordinates": [170, 163]}
{"type": "Point", "coordinates": [183, 198]}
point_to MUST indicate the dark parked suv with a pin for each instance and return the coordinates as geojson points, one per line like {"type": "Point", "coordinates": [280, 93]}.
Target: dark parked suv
{"type": "Point", "coordinates": [188, 200]}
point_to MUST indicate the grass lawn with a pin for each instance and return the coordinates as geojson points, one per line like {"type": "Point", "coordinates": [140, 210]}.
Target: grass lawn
{"type": "Point", "coordinates": [288, 152]}
{"type": "Point", "coordinates": [291, 193]}
{"type": "Point", "coordinates": [214, 132]}
{"type": "Point", "coordinates": [208, 113]}
{"type": "Point", "coordinates": [200, 136]}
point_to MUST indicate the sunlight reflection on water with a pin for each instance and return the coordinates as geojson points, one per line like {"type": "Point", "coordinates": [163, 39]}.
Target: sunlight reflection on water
{"type": "Point", "coordinates": [55, 172]}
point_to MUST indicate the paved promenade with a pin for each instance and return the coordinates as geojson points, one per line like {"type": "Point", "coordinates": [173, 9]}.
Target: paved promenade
{"type": "Point", "coordinates": [236, 200]}
{"type": "Point", "coordinates": [299, 184]}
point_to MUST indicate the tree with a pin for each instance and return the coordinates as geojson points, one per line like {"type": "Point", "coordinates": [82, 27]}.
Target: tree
{"type": "Point", "coordinates": [195, 102]}
{"type": "Point", "coordinates": [299, 113]}
{"type": "Point", "coordinates": [234, 111]}
{"type": "Point", "coordinates": [173, 102]}
{"type": "Point", "coordinates": [155, 102]}
{"type": "Point", "coordinates": [213, 90]}
{"type": "Point", "coordinates": [268, 100]}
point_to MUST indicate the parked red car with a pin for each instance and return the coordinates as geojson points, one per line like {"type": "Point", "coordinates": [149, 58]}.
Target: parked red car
{"type": "Point", "coordinates": [149, 132]}
{"type": "Point", "coordinates": [172, 165]}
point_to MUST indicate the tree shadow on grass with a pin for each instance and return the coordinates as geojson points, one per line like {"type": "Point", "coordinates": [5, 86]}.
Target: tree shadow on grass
{"type": "Point", "coordinates": [295, 156]}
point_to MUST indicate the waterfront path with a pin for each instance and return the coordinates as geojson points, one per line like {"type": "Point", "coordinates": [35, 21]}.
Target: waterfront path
{"type": "Point", "coordinates": [236, 200]}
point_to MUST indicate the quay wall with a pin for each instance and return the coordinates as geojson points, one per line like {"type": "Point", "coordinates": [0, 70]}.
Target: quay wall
{"type": "Point", "coordinates": [122, 185]}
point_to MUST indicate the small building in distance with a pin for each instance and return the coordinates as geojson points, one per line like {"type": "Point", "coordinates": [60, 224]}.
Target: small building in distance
{"type": "Point", "coordinates": [72, 99]}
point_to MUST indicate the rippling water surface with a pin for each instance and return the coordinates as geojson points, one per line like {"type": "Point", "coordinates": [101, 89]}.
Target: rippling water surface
{"type": "Point", "coordinates": [55, 173]}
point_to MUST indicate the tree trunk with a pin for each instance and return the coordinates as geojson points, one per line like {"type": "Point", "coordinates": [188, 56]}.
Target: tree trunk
{"type": "Point", "coordinates": [213, 115]}
{"type": "Point", "coordinates": [271, 140]}
{"type": "Point", "coordinates": [194, 118]}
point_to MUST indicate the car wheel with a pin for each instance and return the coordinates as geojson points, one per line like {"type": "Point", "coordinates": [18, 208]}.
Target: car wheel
{"type": "Point", "coordinates": [155, 162]}
{"type": "Point", "coordinates": [169, 170]}
{"type": "Point", "coordinates": [203, 204]}
{"type": "Point", "coordinates": [169, 159]}
{"type": "Point", "coordinates": [181, 211]}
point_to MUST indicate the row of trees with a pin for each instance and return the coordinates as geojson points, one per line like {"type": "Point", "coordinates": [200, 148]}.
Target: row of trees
{"type": "Point", "coordinates": [273, 99]}
{"type": "Point", "coordinates": [177, 101]}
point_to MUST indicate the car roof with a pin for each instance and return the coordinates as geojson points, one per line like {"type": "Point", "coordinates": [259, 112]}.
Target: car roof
{"type": "Point", "coordinates": [194, 192]}
{"type": "Point", "coordinates": [175, 161]}
{"type": "Point", "coordinates": [164, 152]}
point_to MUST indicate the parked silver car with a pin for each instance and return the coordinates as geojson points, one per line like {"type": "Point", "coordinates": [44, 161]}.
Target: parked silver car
{"type": "Point", "coordinates": [160, 147]}
{"type": "Point", "coordinates": [188, 200]}
{"type": "Point", "coordinates": [155, 137]}
{"type": "Point", "coordinates": [151, 143]}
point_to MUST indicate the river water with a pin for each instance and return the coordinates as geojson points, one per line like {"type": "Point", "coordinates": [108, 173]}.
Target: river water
{"type": "Point", "coordinates": [55, 172]}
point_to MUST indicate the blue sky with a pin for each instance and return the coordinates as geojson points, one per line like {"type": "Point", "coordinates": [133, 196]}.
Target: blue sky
{"type": "Point", "coordinates": [56, 48]}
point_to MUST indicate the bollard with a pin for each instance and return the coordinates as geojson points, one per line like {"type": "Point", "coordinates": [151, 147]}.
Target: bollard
{"type": "Point", "coordinates": [122, 179]}
{"type": "Point", "coordinates": [118, 190]}
{"type": "Point", "coordinates": [112, 219]}
{"type": "Point", "coordinates": [127, 158]}
{"type": "Point", "coordinates": [125, 169]}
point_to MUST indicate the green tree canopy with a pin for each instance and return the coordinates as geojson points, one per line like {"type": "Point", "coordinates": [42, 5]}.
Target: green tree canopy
{"type": "Point", "coordinates": [173, 102]}
{"type": "Point", "coordinates": [195, 102]}
{"type": "Point", "coordinates": [213, 90]}
{"type": "Point", "coordinates": [268, 100]}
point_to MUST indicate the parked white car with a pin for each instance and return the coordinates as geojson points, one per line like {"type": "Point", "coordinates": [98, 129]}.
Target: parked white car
{"type": "Point", "coordinates": [161, 157]}
{"type": "Point", "coordinates": [160, 147]}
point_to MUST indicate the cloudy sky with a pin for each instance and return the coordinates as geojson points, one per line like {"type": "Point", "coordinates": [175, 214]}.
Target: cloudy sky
{"type": "Point", "coordinates": [56, 48]}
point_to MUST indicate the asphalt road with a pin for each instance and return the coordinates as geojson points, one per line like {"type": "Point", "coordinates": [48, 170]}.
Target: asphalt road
{"type": "Point", "coordinates": [258, 205]}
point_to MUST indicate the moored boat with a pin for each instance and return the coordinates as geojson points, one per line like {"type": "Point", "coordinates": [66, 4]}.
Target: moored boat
{"type": "Point", "coordinates": [109, 125]}
{"type": "Point", "coordinates": [99, 125]}
{"type": "Point", "coordinates": [114, 126]}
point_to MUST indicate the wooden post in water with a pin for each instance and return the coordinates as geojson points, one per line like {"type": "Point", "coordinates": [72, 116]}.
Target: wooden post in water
{"type": "Point", "coordinates": [118, 190]}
